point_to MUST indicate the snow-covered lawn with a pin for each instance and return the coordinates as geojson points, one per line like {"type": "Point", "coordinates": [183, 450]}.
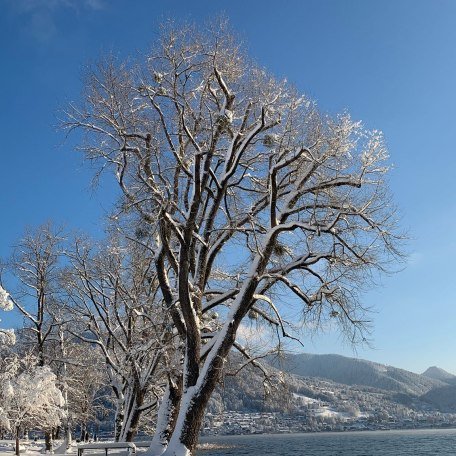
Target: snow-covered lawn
{"type": "Point", "coordinates": [31, 448]}
{"type": "Point", "coordinates": [305, 399]}
{"type": "Point", "coordinates": [327, 412]}
{"type": "Point", "coordinates": [27, 447]}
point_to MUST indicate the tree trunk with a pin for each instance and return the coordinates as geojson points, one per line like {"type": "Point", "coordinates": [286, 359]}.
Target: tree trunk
{"type": "Point", "coordinates": [118, 427]}
{"type": "Point", "coordinates": [82, 433]}
{"type": "Point", "coordinates": [131, 414]}
{"type": "Point", "coordinates": [133, 400]}
{"type": "Point", "coordinates": [194, 401]}
{"type": "Point", "coordinates": [18, 451]}
{"type": "Point", "coordinates": [48, 441]}
{"type": "Point", "coordinates": [118, 422]}
{"type": "Point", "coordinates": [185, 436]}
{"type": "Point", "coordinates": [134, 421]}
{"type": "Point", "coordinates": [66, 444]}
{"type": "Point", "coordinates": [166, 420]}
{"type": "Point", "coordinates": [68, 436]}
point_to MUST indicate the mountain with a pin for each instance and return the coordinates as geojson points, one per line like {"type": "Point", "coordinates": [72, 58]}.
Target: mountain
{"type": "Point", "coordinates": [305, 392]}
{"type": "Point", "coordinates": [442, 398]}
{"type": "Point", "coordinates": [439, 374]}
{"type": "Point", "coordinates": [248, 391]}
{"type": "Point", "coordinates": [353, 371]}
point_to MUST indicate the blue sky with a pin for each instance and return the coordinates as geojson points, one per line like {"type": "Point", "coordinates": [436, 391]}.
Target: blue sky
{"type": "Point", "coordinates": [390, 63]}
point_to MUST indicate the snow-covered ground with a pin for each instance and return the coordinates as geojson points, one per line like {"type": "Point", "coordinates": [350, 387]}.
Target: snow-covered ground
{"type": "Point", "coordinates": [31, 448]}
{"type": "Point", "coordinates": [27, 447]}
{"type": "Point", "coordinates": [322, 410]}
{"type": "Point", "coordinates": [305, 399]}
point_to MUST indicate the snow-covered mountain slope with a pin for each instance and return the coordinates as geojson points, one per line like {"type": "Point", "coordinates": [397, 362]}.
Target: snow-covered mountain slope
{"type": "Point", "coordinates": [334, 382]}
{"type": "Point", "coordinates": [352, 371]}
{"type": "Point", "coordinates": [439, 374]}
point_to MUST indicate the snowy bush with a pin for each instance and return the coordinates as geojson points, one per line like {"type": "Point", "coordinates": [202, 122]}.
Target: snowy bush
{"type": "Point", "coordinates": [7, 336]}
{"type": "Point", "coordinates": [30, 399]}
{"type": "Point", "coordinates": [5, 301]}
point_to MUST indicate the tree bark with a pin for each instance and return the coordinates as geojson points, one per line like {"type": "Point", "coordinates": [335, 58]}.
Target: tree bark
{"type": "Point", "coordinates": [166, 419]}
{"type": "Point", "coordinates": [82, 433]}
{"type": "Point", "coordinates": [118, 425]}
{"type": "Point", "coordinates": [133, 399]}
{"type": "Point", "coordinates": [68, 436]}
{"type": "Point", "coordinates": [194, 402]}
{"type": "Point", "coordinates": [48, 441]}
{"type": "Point", "coordinates": [134, 421]}
{"type": "Point", "coordinates": [18, 451]}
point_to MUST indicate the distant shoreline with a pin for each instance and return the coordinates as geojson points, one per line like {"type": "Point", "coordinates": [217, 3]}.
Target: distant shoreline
{"type": "Point", "coordinates": [208, 438]}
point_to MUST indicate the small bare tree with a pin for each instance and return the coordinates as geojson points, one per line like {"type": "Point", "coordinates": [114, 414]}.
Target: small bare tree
{"type": "Point", "coordinates": [249, 194]}
{"type": "Point", "coordinates": [80, 374]}
{"type": "Point", "coordinates": [34, 269]}
{"type": "Point", "coordinates": [111, 293]}
{"type": "Point", "coordinates": [84, 380]}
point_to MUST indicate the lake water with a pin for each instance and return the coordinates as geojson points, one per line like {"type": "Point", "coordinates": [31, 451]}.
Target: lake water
{"type": "Point", "coordinates": [375, 443]}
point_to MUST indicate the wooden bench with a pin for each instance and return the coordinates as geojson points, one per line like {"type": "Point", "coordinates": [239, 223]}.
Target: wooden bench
{"type": "Point", "coordinates": [131, 447]}
{"type": "Point", "coordinates": [143, 444]}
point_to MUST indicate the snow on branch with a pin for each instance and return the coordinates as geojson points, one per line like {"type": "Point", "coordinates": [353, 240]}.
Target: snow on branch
{"type": "Point", "coordinates": [6, 302]}
{"type": "Point", "coordinates": [7, 336]}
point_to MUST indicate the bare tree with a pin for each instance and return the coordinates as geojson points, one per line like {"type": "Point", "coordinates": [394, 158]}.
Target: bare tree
{"type": "Point", "coordinates": [251, 196]}
{"type": "Point", "coordinates": [81, 377]}
{"type": "Point", "coordinates": [84, 378]}
{"type": "Point", "coordinates": [34, 267]}
{"type": "Point", "coordinates": [112, 296]}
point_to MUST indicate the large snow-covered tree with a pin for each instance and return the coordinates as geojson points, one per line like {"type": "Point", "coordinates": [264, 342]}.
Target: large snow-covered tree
{"type": "Point", "coordinates": [254, 201]}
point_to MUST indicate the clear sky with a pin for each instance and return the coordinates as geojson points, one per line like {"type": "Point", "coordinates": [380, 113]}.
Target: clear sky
{"type": "Point", "coordinates": [390, 63]}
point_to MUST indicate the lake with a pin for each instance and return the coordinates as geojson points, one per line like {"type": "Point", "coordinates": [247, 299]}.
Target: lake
{"type": "Point", "coordinates": [370, 443]}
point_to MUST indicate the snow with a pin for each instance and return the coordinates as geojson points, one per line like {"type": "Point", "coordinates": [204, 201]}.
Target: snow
{"type": "Point", "coordinates": [323, 411]}
{"type": "Point", "coordinates": [177, 449]}
{"type": "Point", "coordinates": [107, 445]}
{"type": "Point", "coordinates": [326, 412]}
{"type": "Point", "coordinates": [159, 441]}
{"type": "Point", "coordinates": [5, 301]}
{"type": "Point", "coordinates": [305, 400]}
{"type": "Point", "coordinates": [32, 448]}
{"type": "Point", "coordinates": [7, 336]}
{"type": "Point", "coordinates": [28, 447]}
{"type": "Point", "coordinates": [30, 399]}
